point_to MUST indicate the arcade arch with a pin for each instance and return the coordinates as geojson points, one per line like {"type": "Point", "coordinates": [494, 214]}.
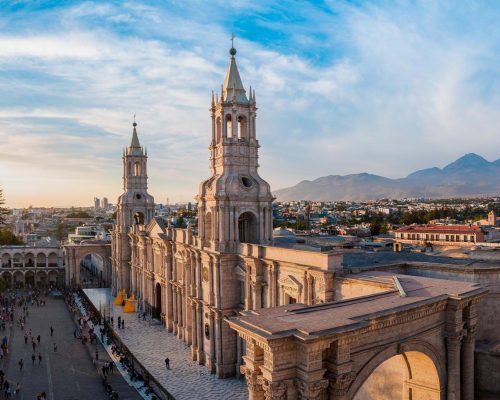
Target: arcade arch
{"type": "Point", "coordinates": [248, 228]}
{"type": "Point", "coordinates": [405, 376]}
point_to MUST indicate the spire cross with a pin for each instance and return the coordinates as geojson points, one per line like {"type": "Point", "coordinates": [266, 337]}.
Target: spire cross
{"type": "Point", "coordinates": [232, 40]}
{"type": "Point", "coordinates": [135, 124]}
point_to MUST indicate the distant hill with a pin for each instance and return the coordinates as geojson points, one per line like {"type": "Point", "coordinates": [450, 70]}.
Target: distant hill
{"type": "Point", "coordinates": [470, 175]}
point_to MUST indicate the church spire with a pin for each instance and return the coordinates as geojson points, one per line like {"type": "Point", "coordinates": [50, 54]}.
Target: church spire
{"type": "Point", "coordinates": [233, 86]}
{"type": "Point", "coordinates": [135, 147]}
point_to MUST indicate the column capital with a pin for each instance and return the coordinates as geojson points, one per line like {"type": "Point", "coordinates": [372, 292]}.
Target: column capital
{"type": "Point", "coordinates": [341, 382]}
{"type": "Point", "coordinates": [311, 390]}
{"type": "Point", "coordinates": [273, 390]}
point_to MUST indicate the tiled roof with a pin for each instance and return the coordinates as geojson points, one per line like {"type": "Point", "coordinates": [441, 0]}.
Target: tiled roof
{"type": "Point", "coordinates": [452, 229]}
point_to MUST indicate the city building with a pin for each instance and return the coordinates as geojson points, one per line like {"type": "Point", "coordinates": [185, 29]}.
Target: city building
{"type": "Point", "coordinates": [97, 204]}
{"type": "Point", "coordinates": [88, 232]}
{"type": "Point", "coordinates": [458, 235]}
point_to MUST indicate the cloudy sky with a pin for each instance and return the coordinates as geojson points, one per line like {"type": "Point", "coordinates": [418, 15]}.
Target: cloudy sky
{"type": "Point", "coordinates": [342, 87]}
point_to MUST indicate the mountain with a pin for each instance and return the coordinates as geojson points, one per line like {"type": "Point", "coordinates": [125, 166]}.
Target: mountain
{"type": "Point", "coordinates": [470, 175]}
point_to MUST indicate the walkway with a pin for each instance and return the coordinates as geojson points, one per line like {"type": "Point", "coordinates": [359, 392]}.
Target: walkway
{"type": "Point", "coordinates": [151, 344]}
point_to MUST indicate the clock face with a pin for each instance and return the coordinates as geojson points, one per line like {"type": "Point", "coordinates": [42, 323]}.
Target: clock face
{"type": "Point", "coordinates": [204, 274]}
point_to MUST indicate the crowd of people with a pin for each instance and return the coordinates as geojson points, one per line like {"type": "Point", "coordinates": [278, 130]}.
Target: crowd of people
{"type": "Point", "coordinates": [15, 307]}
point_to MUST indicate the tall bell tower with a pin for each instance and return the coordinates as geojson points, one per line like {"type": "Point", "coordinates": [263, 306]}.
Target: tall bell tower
{"type": "Point", "coordinates": [235, 203]}
{"type": "Point", "coordinates": [135, 207]}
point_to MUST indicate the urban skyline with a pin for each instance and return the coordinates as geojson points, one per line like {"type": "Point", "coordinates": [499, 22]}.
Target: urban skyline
{"type": "Point", "coordinates": [382, 89]}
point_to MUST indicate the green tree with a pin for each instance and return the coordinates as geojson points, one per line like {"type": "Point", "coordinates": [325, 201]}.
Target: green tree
{"type": "Point", "coordinates": [4, 211]}
{"type": "Point", "coordinates": [7, 237]}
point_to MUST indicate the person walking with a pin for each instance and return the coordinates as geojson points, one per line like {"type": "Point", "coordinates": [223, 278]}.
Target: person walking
{"type": "Point", "coordinates": [51, 331]}
{"type": "Point", "coordinates": [38, 338]}
{"type": "Point", "coordinates": [167, 363]}
{"type": "Point", "coordinates": [21, 363]}
{"type": "Point", "coordinates": [55, 347]}
{"type": "Point", "coordinates": [17, 389]}
{"type": "Point", "coordinates": [33, 344]}
{"type": "Point", "coordinates": [39, 358]}
{"type": "Point", "coordinates": [123, 324]}
{"type": "Point", "coordinates": [25, 338]}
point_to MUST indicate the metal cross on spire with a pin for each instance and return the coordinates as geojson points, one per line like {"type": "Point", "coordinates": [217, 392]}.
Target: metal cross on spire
{"type": "Point", "coordinates": [232, 40]}
{"type": "Point", "coordinates": [135, 124]}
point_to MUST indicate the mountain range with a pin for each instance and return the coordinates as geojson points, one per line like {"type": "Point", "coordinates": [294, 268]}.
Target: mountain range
{"type": "Point", "coordinates": [470, 175]}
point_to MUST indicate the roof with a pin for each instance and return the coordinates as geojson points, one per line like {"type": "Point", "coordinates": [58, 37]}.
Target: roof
{"type": "Point", "coordinates": [330, 318]}
{"type": "Point", "coordinates": [135, 147]}
{"type": "Point", "coordinates": [453, 229]}
{"type": "Point", "coordinates": [233, 86]}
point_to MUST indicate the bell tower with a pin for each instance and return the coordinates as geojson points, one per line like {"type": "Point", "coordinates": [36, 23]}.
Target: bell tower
{"type": "Point", "coordinates": [235, 203]}
{"type": "Point", "coordinates": [135, 207]}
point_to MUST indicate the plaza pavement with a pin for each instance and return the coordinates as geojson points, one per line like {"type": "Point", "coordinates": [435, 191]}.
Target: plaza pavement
{"type": "Point", "coordinates": [68, 374]}
{"type": "Point", "coordinates": [151, 344]}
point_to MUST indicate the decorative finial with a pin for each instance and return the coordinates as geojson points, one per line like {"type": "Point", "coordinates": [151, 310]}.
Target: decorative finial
{"type": "Point", "coordinates": [232, 50]}
{"type": "Point", "coordinates": [134, 124]}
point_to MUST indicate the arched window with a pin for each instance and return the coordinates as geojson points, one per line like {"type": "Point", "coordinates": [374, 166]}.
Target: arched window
{"type": "Point", "coordinates": [137, 168]}
{"type": "Point", "coordinates": [242, 127]}
{"type": "Point", "coordinates": [229, 126]}
{"type": "Point", "coordinates": [139, 218]}
{"type": "Point", "coordinates": [248, 228]}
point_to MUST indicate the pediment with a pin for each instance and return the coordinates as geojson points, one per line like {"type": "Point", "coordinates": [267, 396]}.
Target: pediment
{"type": "Point", "coordinates": [291, 282]}
{"type": "Point", "coordinates": [155, 228]}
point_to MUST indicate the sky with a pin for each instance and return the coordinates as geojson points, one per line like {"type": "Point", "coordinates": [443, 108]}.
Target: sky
{"type": "Point", "coordinates": [386, 87]}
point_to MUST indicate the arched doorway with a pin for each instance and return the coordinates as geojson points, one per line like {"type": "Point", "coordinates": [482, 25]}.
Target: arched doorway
{"type": "Point", "coordinates": [92, 270]}
{"type": "Point", "coordinates": [29, 279]}
{"type": "Point", "coordinates": [406, 376]}
{"type": "Point", "coordinates": [157, 308]}
{"type": "Point", "coordinates": [18, 279]}
{"type": "Point", "coordinates": [41, 279]}
{"type": "Point", "coordinates": [7, 277]}
{"type": "Point", "coordinates": [248, 228]}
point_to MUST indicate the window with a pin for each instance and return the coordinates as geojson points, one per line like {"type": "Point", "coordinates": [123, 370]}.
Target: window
{"type": "Point", "coordinates": [137, 168]}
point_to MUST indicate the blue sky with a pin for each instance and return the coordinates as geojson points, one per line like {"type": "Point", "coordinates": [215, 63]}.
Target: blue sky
{"type": "Point", "coordinates": [343, 87]}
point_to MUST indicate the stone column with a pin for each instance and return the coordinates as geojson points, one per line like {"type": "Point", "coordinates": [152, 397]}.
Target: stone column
{"type": "Point", "coordinates": [273, 390]}
{"type": "Point", "coordinates": [340, 374]}
{"type": "Point", "coordinates": [194, 331]}
{"type": "Point", "coordinates": [254, 359]}
{"type": "Point", "coordinates": [468, 345]}
{"type": "Point", "coordinates": [453, 344]}
{"type": "Point", "coordinates": [200, 329]}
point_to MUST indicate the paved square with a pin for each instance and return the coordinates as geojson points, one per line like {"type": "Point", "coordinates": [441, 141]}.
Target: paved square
{"type": "Point", "coordinates": [151, 344]}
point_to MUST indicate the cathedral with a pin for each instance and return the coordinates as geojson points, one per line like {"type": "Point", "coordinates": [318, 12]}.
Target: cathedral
{"type": "Point", "coordinates": [288, 317]}
{"type": "Point", "coordinates": [193, 281]}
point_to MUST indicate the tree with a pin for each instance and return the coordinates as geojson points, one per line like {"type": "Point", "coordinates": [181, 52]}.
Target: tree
{"type": "Point", "coordinates": [4, 211]}
{"type": "Point", "coordinates": [7, 237]}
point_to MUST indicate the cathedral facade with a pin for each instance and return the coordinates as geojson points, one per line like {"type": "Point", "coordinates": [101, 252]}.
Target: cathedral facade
{"type": "Point", "coordinates": [194, 281]}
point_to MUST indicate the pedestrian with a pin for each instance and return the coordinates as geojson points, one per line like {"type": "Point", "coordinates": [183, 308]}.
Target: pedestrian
{"type": "Point", "coordinates": [39, 358]}
{"type": "Point", "coordinates": [74, 333]}
{"type": "Point", "coordinates": [119, 322]}
{"type": "Point", "coordinates": [25, 338]}
{"type": "Point", "coordinates": [21, 365]}
{"type": "Point", "coordinates": [33, 359]}
{"type": "Point", "coordinates": [33, 344]}
{"type": "Point", "coordinates": [144, 316]}
{"type": "Point", "coordinates": [17, 389]}
{"type": "Point", "coordinates": [38, 338]}
{"type": "Point", "coordinates": [51, 331]}
{"type": "Point", "coordinates": [167, 363]}
{"type": "Point", "coordinates": [103, 368]}
{"type": "Point", "coordinates": [55, 347]}
{"type": "Point", "coordinates": [123, 324]}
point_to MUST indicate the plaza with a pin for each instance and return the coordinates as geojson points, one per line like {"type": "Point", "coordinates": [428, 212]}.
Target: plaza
{"type": "Point", "coordinates": [151, 343]}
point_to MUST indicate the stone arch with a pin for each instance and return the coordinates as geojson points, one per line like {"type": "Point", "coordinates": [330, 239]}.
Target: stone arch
{"type": "Point", "coordinates": [53, 259]}
{"type": "Point", "coordinates": [17, 259]}
{"type": "Point", "coordinates": [18, 278]}
{"type": "Point", "coordinates": [139, 218]}
{"type": "Point", "coordinates": [242, 127]}
{"type": "Point", "coordinates": [420, 368]}
{"type": "Point", "coordinates": [29, 278]}
{"type": "Point", "coordinates": [41, 278]}
{"type": "Point", "coordinates": [29, 259]}
{"type": "Point", "coordinates": [229, 126]}
{"type": "Point", "coordinates": [7, 276]}
{"type": "Point", "coordinates": [248, 227]}
{"type": "Point", "coordinates": [75, 253]}
{"type": "Point", "coordinates": [41, 259]}
{"type": "Point", "coordinates": [6, 260]}
{"type": "Point", "coordinates": [52, 277]}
